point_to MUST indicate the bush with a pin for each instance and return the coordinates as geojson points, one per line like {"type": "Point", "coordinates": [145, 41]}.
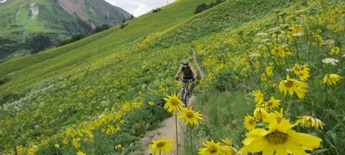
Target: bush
{"type": "Point", "coordinates": [203, 6]}
{"type": "Point", "coordinates": [123, 25]}
{"type": "Point", "coordinates": [9, 97]}
{"type": "Point", "coordinates": [4, 80]}
{"type": "Point", "coordinates": [101, 28]}
{"type": "Point", "coordinates": [72, 39]}
{"type": "Point", "coordinates": [156, 10]}
{"type": "Point", "coordinates": [38, 42]}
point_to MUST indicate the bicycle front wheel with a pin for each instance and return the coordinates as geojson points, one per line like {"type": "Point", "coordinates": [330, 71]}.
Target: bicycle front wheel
{"type": "Point", "coordinates": [183, 96]}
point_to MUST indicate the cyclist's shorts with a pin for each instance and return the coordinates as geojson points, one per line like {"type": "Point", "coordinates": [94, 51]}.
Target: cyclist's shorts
{"type": "Point", "coordinates": [185, 79]}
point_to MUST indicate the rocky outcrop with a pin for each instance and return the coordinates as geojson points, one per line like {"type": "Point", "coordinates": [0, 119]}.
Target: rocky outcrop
{"type": "Point", "coordinates": [34, 10]}
{"type": "Point", "coordinates": [74, 7]}
{"type": "Point", "coordinates": [83, 9]}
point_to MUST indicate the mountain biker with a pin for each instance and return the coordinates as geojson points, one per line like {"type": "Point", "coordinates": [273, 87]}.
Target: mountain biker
{"type": "Point", "coordinates": [189, 74]}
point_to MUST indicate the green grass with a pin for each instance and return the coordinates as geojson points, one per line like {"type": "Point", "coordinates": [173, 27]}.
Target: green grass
{"type": "Point", "coordinates": [84, 50]}
{"type": "Point", "coordinates": [223, 113]}
{"type": "Point", "coordinates": [51, 19]}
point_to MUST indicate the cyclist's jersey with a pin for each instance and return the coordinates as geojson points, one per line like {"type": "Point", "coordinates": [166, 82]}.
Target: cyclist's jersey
{"type": "Point", "coordinates": [188, 74]}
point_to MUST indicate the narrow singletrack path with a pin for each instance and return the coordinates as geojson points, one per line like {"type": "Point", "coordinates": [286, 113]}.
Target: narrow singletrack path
{"type": "Point", "coordinates": [201, 71]}
{"type": "Point", "coordinates": [168, 128]}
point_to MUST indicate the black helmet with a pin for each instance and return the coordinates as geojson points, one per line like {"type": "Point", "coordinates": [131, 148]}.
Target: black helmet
{"type": "Point", "coordinates": [185, 62]}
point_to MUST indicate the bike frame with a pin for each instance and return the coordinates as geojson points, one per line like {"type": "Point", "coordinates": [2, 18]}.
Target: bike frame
{"type": "Point", "coordinates": [184, 93]}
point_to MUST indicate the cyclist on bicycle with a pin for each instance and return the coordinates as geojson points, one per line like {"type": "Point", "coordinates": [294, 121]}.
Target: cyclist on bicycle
{"type": "Point", "coordinates": [189, 74]}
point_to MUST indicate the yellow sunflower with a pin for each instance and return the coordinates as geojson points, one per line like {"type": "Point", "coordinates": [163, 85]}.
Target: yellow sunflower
{"type": "Point", "coordinates": [151, 103]}
{"type": "Point", "coordinates": [161, 145]}
{"type": "Point", "coordinates": [249, 122]}
{"type": "Point", "coordinates": [303, 75]}
{"type": "Point", "coordinates": [190, 116]}
{"type": "Point", "coordinates": [269, 70]}
{"type": "Point", "coordinates": [272, 103]}
{"type": "Point", "coordinates": [309, 121]}
{"type": "Point", "coordinates": [229, 147]}
{"type": "Point", "coordinates": [81, 153]}
{"type": "Point", "coordinates": [258, 97]}
{"type": "Point", "coordinates": [334, 50]}
{"type": "Point", "coordinates": [278, 51]}
{"type": "Point", "coordinates": [280, 138]}
{"type": "Point", "coordinates": [212, 148]}
{"type": "Point", "coordinates": [296, 69]}
{"type": "Point", "coordinates": [293, 86]}
{"type": "Point", "coordinates": [331, 79]}
{"type": "Point", "coordinates": [260, 113]}
{"type": "Point", "coordinates": [274, 116]}
{"type": "Point", "coordinates": [173, 103]}
{"type": "Point", "coordinates": [263, 77]}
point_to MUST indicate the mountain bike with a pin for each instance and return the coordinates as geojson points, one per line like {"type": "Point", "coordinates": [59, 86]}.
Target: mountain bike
{"type": "Point", "coordinates": [184, 92]}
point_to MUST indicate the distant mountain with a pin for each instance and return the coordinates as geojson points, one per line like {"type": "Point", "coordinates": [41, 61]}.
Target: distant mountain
{"type": "Point", "coordinates": [60, 19]}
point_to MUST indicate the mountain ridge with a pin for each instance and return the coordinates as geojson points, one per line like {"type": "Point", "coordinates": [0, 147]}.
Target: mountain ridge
{"type": "Point", "coordinates": [58, 19]}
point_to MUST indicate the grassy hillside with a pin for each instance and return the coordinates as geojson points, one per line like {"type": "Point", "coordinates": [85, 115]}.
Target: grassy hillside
{"type": "Point", "coordinates": [101, 60]}
{"type": "Point", "coordinates": [92, 95]}
{"type": "Point", "coordinates": [20, 19]}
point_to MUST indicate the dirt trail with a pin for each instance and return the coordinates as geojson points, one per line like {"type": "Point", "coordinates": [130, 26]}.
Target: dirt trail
{"type": "Point", "coordinates": [168, 128]}
{"type": "Point", "coordinates": [201, 71]}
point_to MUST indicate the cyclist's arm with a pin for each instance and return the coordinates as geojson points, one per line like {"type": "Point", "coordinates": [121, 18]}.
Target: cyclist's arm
{"type": "Point", "coordinates": [193, 71]}
{"type": "Point", "coordinates": [178, 72]}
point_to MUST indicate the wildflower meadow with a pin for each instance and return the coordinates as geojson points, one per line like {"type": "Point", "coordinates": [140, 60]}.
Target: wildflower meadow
{"type": "Point", "coordinates": [273, 84]}
{"type": "Point", "coordinates": [288, 68]}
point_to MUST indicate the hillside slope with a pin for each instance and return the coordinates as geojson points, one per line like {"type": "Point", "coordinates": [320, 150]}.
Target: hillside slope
{"type": "Point", "coordinates": [106, 54]}
{"type": "Point", "coordinates": [59, 19]}
{"type": "Point", "coordinates": [106, 90]}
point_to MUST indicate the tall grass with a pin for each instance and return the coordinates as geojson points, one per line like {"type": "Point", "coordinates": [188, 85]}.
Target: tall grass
{"type": "Point", "coordinates": [223, 117]}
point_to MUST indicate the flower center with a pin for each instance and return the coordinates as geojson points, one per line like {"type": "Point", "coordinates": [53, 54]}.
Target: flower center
{"type": "Point", "coordinates": [160, 144]}
{"type": "Point", "coordinates": [289, 83]}
{"type": "Point", "coordinates": [276, 137]}
{"type": "Point", "coordinates": [251, 122]}
{"type": "Point", "coordinates": [212, 149]}
{"type": "Point", "coordinates": [279, 119]}
{"type": "Point", "coordinates": [174, 102]}
{"type": "Point", "coordinates": [190, 114]}
{"type": "Point", "coordinates": [269, 103]}
{"type": "Point", "coordinates": [301, 74]}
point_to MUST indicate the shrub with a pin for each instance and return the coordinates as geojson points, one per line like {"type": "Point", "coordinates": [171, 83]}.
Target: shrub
{"type": "Point", "coordinates": [9, 97]}
{"type": "Point", "coordinates": [156, 10]}
{"type": "Point", "coordinates": [101, 28]}
{"type": "Point", "coordinates": [204, 6]}
{"type": "Point", "coordinates": [123, 25]}
{"type": "Point", "coordinates": [38, 42]}
{"type": "Point", "coordinates": [4, 80]}
{"type": "Point", "coordinates": [72, 39]}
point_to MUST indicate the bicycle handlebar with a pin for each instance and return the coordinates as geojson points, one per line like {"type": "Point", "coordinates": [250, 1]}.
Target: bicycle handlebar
{"type": "Point", "coordinates": [185, 80]}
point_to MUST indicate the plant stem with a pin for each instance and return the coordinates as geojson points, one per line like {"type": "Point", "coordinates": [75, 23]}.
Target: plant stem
{"type": "Point", "coordinates": [297, 51]}
{"type": "Point", "coordinates": [191, 139]}
{"type": "Point", "coordinates": [287, 111]}
{"type": "Point", "coordinates": [176, 133]}
{"type": "Point", "coordinates": [15, 149]}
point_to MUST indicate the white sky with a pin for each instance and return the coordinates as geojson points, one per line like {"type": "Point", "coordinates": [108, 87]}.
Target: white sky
{"type": "Point", "coordinates": [139, 7]}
